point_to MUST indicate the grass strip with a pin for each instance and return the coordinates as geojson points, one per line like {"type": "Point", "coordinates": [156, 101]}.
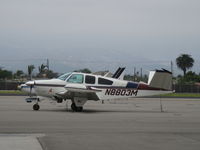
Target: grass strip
{"type": "Point", "coordinates": [184, 95]}
{"type": "Point", "coordinates": [12, 92]}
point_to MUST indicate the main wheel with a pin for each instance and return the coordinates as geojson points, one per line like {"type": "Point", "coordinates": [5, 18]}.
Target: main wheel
{"type": "Point", "coordinates": [79, 109]}
{"type": "Point", "coordinates": [75, 108]}
{"type": "Point", "coordinates": [36, 107]}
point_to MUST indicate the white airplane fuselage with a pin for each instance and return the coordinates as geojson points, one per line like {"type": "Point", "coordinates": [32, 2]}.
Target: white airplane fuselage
{"type": "Point", "coordinates": [49, 88]}
{"type": "Point", "coordinates": [76, 86]}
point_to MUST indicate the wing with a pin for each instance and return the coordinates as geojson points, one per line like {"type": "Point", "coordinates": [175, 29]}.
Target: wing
{"type": "Point", "coordinates": [79, 90]}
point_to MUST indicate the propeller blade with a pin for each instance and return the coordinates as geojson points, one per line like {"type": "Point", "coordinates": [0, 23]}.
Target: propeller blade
{"type": "Point", "coordinates": [30, 94]}
{"type": "Point", "coordinates": [31, 88]}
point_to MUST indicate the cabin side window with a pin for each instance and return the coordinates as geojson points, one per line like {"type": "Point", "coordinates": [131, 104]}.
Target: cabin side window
{"type": "Point", "coordinates": [89, 79]}
{"type": "Point", "coordinates": [105, 81]}
{"type": "Point", "coordinates": [76, 78]}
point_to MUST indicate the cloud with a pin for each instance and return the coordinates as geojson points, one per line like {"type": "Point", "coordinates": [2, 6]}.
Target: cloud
{"type": "Point", "coordinates": [99, 30]}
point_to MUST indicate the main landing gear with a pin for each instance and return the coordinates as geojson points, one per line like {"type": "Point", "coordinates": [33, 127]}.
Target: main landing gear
{"type": "Point", "coordinates": [75, 108]}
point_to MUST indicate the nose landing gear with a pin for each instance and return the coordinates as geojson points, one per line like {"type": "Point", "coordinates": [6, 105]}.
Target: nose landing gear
{"type": "Point", "coordinates": [36, 106]}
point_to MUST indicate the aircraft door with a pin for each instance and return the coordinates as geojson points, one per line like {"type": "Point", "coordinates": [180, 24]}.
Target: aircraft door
{"type": "Point", "coordinates": [76, 78]}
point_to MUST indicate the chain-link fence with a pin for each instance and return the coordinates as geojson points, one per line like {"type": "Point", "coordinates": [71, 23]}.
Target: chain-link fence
{"type": "Point", "coordinates": [186, 88]}
{"type": "Point", "coordinates": [13, 85]}
{"type": "Point", "coordinates": [9, 85]}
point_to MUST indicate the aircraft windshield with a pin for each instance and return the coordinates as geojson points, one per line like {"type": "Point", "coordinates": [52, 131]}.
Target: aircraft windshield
{"type": "Point", "coordinates": [64, 76]}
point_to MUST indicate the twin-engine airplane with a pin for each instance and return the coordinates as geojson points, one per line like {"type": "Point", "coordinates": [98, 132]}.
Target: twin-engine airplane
{"type": "Point", "coordinates": [81, 87]}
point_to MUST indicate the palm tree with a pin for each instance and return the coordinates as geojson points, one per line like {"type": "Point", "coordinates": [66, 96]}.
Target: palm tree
{"type": "Point", "coordinates": [18, 73]}
{"type": "Point", "coordinates": [30, 70]}
{"type": "Point", "coordinates": [184, 62]}
{"type": "Point", "coordinates": [41, 69]}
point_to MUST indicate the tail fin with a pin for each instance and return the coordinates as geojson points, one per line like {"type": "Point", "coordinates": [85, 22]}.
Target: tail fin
{"type": "Point", "coordinates": [119, 73]}
{"type": "Point", "coordinates": [160, 79]}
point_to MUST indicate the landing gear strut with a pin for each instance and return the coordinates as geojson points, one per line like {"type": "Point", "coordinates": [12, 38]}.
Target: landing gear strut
{"type": "Point", "coordinates": [36, 107]}
{"type": "Point", "coordinates": [75, 108]}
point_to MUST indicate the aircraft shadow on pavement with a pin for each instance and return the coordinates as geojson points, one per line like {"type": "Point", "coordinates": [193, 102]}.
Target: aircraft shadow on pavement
{"type": "Point", "coordinates": [85, 111]}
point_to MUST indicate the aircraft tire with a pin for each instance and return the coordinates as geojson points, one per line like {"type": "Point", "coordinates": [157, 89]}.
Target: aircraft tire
{"type": "Point", "coordinates": [36, 107]}
{"type": "Point", "coordinates": [75, 108]}
{"type": "Point", "coordinates": [79, 109]}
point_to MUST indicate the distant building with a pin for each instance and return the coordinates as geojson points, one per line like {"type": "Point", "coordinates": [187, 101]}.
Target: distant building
{"type": "Point", "coordinates": [103, 73]}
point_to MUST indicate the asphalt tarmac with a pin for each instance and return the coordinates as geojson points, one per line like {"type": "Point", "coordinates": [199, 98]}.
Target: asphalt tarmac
{"type": "Point", "coordinates": [118, 124]}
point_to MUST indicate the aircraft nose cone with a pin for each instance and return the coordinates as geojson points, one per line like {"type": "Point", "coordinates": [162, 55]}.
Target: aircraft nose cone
{"type": "Point", "coordinates": [22, 87]}
{"type": "Point", "coordinates": [30, 83]}
{"type": "Point", "coordinates": [19, 87]}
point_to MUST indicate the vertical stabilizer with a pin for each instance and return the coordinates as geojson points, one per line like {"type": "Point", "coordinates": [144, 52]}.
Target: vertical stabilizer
{"type": "Point", "coordinates": [160, 79]}
{"type": "Point", "coordinates": [119, 74]}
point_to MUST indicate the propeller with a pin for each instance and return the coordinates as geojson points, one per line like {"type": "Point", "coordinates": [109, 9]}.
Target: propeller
{"type": "Point", "coordinates": [31, 88]}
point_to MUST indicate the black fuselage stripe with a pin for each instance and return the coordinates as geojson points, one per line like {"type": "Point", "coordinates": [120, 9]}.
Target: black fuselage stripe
{"type": "Point", "coordinates": [101, 87]}
{"type": "Point", "coordinates": [120, 87]}
{"type": "Point", "coordinates": [51, 85]}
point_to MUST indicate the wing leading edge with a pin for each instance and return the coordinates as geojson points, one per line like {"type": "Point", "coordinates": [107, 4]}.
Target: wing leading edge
{"type": "Point", "coordinates": [79, 90]}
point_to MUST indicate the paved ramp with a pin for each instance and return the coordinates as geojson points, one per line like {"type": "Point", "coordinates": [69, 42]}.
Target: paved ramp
{"type": "Point", "coordinates": [19, 142]}
{"type": "Point", "coordinates": [129, 124]}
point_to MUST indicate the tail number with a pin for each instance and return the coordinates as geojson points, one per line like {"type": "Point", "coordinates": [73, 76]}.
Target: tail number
{"type": "Point", "coordinates": [121, 92]}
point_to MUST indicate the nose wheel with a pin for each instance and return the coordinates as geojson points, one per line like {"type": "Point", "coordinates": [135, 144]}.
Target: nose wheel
{"type": "Point", "coordinates": [36, 107]}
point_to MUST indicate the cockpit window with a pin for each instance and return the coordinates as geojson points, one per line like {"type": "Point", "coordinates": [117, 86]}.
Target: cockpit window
{"type": "Point", "coordinates": [76, 78]}
{"type": "Point", "coordinates": [64, 76]}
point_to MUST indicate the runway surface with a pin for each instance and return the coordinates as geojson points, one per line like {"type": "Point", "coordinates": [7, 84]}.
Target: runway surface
{"type": "Point", "coordinates": [120, 124]}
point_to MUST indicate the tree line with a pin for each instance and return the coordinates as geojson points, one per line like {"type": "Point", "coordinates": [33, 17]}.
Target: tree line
{"type": "Point", "coordinates": [43, 72]}
{"type": "Point", "coordinates": [184, 62]}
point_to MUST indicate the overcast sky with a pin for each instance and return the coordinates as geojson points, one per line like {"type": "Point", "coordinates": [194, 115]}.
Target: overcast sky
{"type": "Point", "coordinates": [101, 34]}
